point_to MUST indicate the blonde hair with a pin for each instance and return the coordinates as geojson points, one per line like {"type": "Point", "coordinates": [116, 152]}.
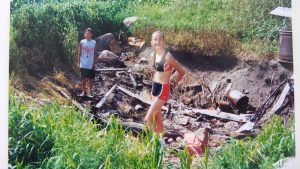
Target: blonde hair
{"type": "Point", "coordinates": [158, 32]}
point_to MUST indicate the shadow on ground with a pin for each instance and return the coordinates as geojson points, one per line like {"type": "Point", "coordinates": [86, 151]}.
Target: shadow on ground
{"type": "Point", "coordinates": [205, 63]}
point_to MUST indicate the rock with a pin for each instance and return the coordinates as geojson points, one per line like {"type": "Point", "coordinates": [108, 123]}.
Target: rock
{"type": "Point", "coordinates": [108, 59]}
{"type": "Point", "coordinates": [130, 20]}
{"type": "Point", "coordinates": [232, 125]}
{"type": "Point", "coordinates": [106, 54]}
{"type": "Point", "coordinates": [107, 42]}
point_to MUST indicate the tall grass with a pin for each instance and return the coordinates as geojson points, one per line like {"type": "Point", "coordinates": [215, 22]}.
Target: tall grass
{"type": "Point", "coordinates": [45, 36]}
{"type": "Point", "coordinates": [56, 136]}
{"type": "Point", "coordinates": [205, 27]}
{"type": "Point", "coordinates": [247, 21]}
{"type": "Point", "coordinates": [273, 143]}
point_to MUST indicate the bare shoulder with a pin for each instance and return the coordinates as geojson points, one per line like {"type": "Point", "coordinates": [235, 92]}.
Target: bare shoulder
{"type": "Point", "coordinates": [169, 57]}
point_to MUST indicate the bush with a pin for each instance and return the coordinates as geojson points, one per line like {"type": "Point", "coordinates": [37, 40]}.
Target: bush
{"type": "Point", "coordinates": [46, 35]}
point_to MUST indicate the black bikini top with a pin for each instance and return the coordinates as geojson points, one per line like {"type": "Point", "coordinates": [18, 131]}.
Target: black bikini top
{"type": "Point", "coordinates": [162, 66]}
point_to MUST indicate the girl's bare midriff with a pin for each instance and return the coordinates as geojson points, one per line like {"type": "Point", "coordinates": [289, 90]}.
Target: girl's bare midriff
{"type": "Point", "coordinates": [162, 77]}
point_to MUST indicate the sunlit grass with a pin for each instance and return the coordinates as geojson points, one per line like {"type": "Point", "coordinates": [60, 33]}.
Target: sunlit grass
{"type": "Point", "coordinates": [59, 137]}
{"type": "Point", "coordinates": [273, 143]}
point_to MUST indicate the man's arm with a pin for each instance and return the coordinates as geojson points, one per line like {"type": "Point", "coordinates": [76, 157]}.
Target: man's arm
{"type": "Point", "coordinates": [95, 58]}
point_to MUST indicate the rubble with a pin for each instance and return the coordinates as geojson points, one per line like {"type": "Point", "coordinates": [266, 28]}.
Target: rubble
{"type": "Point", "coordinates": [123, 87]}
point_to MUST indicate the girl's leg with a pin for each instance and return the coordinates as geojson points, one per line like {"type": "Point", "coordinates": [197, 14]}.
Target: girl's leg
{"type": "Point", "coordinates": [153, 115]}
{"type": "Point", "coordinates": [159, 128]}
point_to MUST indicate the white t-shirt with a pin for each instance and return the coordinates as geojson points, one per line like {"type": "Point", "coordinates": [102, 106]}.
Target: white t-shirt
{"type": "Point", "coordinates": [87, 53]}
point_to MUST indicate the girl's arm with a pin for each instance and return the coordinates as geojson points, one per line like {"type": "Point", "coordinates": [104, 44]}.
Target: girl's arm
{"type": "Point", "coordinates": [181, 72]}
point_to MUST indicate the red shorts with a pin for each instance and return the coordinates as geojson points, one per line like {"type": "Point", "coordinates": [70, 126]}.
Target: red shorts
{"type": "Point", "coordinates": [162, 91]}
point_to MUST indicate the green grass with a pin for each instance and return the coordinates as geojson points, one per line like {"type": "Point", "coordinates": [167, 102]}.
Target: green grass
{"type": "Point", "coordinates": [273, 143]}
{"type": "Point", "coordinates": [204, 27]}
{"type": "Point", "coordinates": [246, 21]}
{"type": "Point", "coordinates": [56, 136]}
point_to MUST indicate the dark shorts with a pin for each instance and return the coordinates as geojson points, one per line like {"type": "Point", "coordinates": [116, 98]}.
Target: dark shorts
{"type": "Point", "coordinates": [87, 73]}
{"type": "Point", "coordinates": [162, 91]}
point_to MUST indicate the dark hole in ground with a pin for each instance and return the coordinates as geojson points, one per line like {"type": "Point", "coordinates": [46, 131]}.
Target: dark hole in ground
{"type": "Point", "coordinates": [205, 63]}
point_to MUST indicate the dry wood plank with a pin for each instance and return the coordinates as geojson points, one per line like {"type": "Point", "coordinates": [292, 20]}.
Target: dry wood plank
{"type": "Point", "coordinates": [102, 101]}
{"type": "Point", "coordinates": [138, 97]}
{"type": "Point", "coordinates": [74, 102]}
{"type": "Point", "coordinates": [281, 99]}
{"type": "Point", "coordinates": [238, 135]}
{"type": "Point", "coordinates": [220, 114]}
{"type": "Point", "coordinates": [133, 80]}
{"type": "Point", "coordinates": [227, 89]}
{"type": "Point", "coordinates": [133, 126]}
{"type": "Point", "coordinates": [111, 69]}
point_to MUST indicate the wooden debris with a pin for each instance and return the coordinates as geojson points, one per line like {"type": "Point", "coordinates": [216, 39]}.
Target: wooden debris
{"type": "Point", "coordinates": [220, 114]}
{"type": "Point", "coordinates": [124, 107]}
{"type": "Point", "coordinates": [281, 99]}
{"type": "Point", "coordinates": [239, 135]}
{"type": "Point", "coordinates": [142, 99]}
{"type": "Point", "coordinates": [182, 120]}
{"type": "Point", "coordinates": [213, 86]}
{"type": "Point", "coordinates": [133, 126]}
{"type": "Point", "coordinates": [249, 125]}
{"type": "Point", "coordinates": [227, 89]}
{"type": "Point", "coordinates": [133, 80]}
{"type": "Point", "coordinates": [111, 69]}
{"type": "Point", "coordinates": [84, 110]}
{"type": "Point", "coordinates": [102, 101]}
{"type": "Point", "coordinates": [195, 87]}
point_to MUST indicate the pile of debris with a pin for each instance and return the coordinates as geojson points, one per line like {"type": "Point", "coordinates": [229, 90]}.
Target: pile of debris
{"type": "Point", "coordinates": [123, 85]}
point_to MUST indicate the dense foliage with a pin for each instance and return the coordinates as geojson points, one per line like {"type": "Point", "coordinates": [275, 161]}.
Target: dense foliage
{"type": "Point", "coordinates": [45, 33]}
{"type": "Point", "coordinates": [45, 36]}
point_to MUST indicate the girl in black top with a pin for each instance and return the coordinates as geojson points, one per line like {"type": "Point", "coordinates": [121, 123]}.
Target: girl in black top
{"type": "Point", "coordinates": [164, 63]}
